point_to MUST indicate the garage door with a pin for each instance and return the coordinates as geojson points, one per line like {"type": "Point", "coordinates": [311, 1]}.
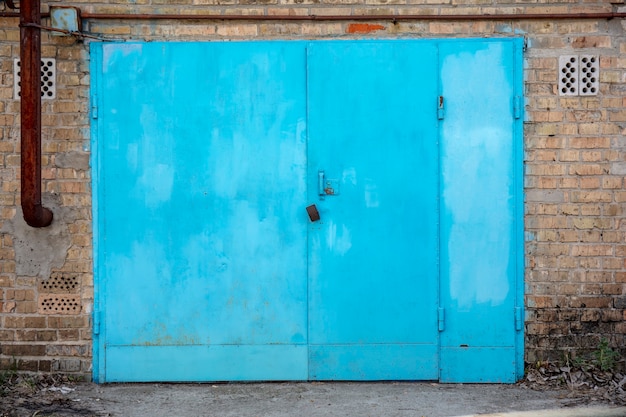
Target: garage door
{"type": "Point", "coordinates": [307, 211]}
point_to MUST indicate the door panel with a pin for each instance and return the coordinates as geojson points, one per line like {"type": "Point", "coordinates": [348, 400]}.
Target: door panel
{"type": "Point", "coordinates": [373, 255]}
{"type": "Point", "coordinates": [479, 211]}
{"type": "Point", "coordinates": [204, 249]}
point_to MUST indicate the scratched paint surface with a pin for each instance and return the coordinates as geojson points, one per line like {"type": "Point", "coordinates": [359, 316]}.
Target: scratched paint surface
{"type": "Point", "coordinates": [207, 265]}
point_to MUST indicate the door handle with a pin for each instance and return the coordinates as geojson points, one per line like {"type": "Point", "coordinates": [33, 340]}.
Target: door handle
{"type": "Point", "coordinates": [320, 183]}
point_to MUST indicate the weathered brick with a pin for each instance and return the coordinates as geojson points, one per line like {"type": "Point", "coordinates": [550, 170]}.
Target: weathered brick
{"type": "Point", "coordinates": [546, 142]}
{"type": "Point", "coordinates": [68, 350]}
{"type": "Point", "coordinates": [539, 328]}
{"type": "Point", "coordinates": [541, 301]}
{"type": "Point", "coordinates": [590, 315]}
{"type": "Point", "coordinates": [569, 289]}
{"type": "Point", "coordinates": [65, 365]}
{"type": "Point", "coordinates": [590, 302]}
{"type": "Point", "coordinates": [44, 366]}
{"type": "Point", "coordinates": [546, 129]}
{"type": "Point", "coordinates": [620, 303]}
{"type": "Point", "coordinates": [590, 183]}
{"type": "Point", "coordinates": [612, 183]}
{"type": "Point", "coordinates": [590, 263]}
{"type": "Point", "coordinates": [27, 365]}
{"type": "Point", "coordinates": [17, 350]}
{"type": "Point", "coordinates": [67, 322]}
{"type": "Point", "coordinates": [592, 289]}
{"type": "Point", "coordinates": [620, 328]}
{"type": "Point", "coordinates": [591, 210]}
{"type": "Point", "coordinates": [568, 236]}
{"type": "Point", "coordinates": [544, 169]}
{"type": "Point", "coordinates": [591, 223]}
{"type": "Point", "coordinates": [613, 289]}
{"type": "Point", "coordinates": [545, 196]}
{"type": "Point", "coordinates": [591, 42]}
{"type": "Point", "coordinates": [569, 155]}
{"type": "Point", "coordinates": [239, 30]}
{"type": "Point", "coordinates": [597, 276]}
{"type": "Point", "coordinates": [588, 169]}
{"type": "Point", "coordinates": [21, 322]}
{"type": "Point", "coordinates": [569, 182]}
{"type": "Point", "coordinates": [589, 142]}
{"type": "Point", "coordinates": [26, 307]}
{"type": "Point", "coordinates": [568, 315]}
{"type": "Point", "coordinates": [67, 335]}
{"type": "Point", "coordinates": [620, 196]}
{"type": "Point", "coordinates": [592, 250]}
{"type": "Point", "coordinates": [612, 263]}
{"type": "Point", "coordinates": [611, 315]}
{"type": "Point", "coordinates": [591, 196]}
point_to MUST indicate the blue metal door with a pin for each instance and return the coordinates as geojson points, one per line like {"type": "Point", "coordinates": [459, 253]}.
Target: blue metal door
{"type": "Point", "coordinates": [373, 174]}
{"type": "Point", "coordinates": [207, 266]}
{"type": "Point", "coordinates": [481, 211]}
{"type": "Point", "coordinates": [201, 261]}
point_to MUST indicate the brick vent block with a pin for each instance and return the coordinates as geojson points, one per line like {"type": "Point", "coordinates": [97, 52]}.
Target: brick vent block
{"type": "Point", "coordinates": [589, 75]}
{"type": "Point", "coordinates": [59, 304]}
{"type": "Point", "coordinates": [579, 75]}
{"type": "Point", "coordinates": [48, 78]}
{"type": "Point", "coordinates": [568, 75]}
{"type": "Point", "coordinates": [60, 282]}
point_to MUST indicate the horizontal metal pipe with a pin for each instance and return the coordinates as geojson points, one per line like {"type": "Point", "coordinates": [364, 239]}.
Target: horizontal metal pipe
{"type": "Point", "coordinates": [17, 14]}
{"type": "Point", "coordinates": [373, 17]}
{"type": "Point", "coordinates": [112, 16]}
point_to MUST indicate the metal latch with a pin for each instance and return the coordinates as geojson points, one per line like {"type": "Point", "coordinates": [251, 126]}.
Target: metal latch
{"type": "Point", "coordinates": [326, 187]}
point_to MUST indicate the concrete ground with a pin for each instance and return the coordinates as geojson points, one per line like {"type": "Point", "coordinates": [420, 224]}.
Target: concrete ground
{"type": "Point", "coordinates": [393, 399]}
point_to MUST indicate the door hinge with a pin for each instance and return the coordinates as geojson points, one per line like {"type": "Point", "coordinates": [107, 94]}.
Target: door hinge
{"type": "Point", "coordinates": [517, 107]}
{"type": "Point", "coordinates": [440, 108]}
{"type": "Point", "coordinates": [519, 323]}
{"type": "Point", "coordinates": [96, 322]}
{"type": "Point", "coordinates": [441, 319]}
{"type": "Point", "coordinates": [94, 107]}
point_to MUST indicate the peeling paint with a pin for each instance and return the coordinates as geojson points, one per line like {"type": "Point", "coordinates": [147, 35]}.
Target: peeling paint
{"type": "Point", "coordinates": [364, 28]}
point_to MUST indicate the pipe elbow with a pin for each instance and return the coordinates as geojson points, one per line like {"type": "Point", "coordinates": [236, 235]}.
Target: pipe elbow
{"type": "Point", "coordinates": [37, 215]}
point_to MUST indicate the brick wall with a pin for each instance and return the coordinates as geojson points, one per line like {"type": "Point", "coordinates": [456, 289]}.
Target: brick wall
{"type": "Point", "coordinates": [575, 164]}
{"type": "Point", "coordinates": [575, 153]}
{"type": "Point", "coordinates": [46, 279]}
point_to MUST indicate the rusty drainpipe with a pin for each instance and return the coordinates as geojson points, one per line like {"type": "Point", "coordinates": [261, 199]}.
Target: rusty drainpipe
{"type": "Point", "coordinates": [35, 214]}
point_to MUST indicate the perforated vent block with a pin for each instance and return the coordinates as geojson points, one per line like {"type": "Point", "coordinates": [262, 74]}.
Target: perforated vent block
{"type": "Point", "coordinates": [48, 78]}
{"type": "Point", "coordinates": [578, 75]}
{"type": "Point", "coordinates": [589, 69]}
{"type": "Point", "coordinates": [568, 75]}
{"type": "Point", "coordinates": [60, 282]}
{"type": "Point", "coordinates": [59, 294]}
{"type": "Point", "coordinates": [59, 304]}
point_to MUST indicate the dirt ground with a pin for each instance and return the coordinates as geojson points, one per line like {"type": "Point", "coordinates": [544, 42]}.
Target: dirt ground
{"type": "Point", "coordinates": [58, 396]}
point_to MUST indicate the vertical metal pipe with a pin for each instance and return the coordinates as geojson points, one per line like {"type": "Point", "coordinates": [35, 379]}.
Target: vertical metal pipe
{"type": "Point", "coordinates": [35, 214]}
